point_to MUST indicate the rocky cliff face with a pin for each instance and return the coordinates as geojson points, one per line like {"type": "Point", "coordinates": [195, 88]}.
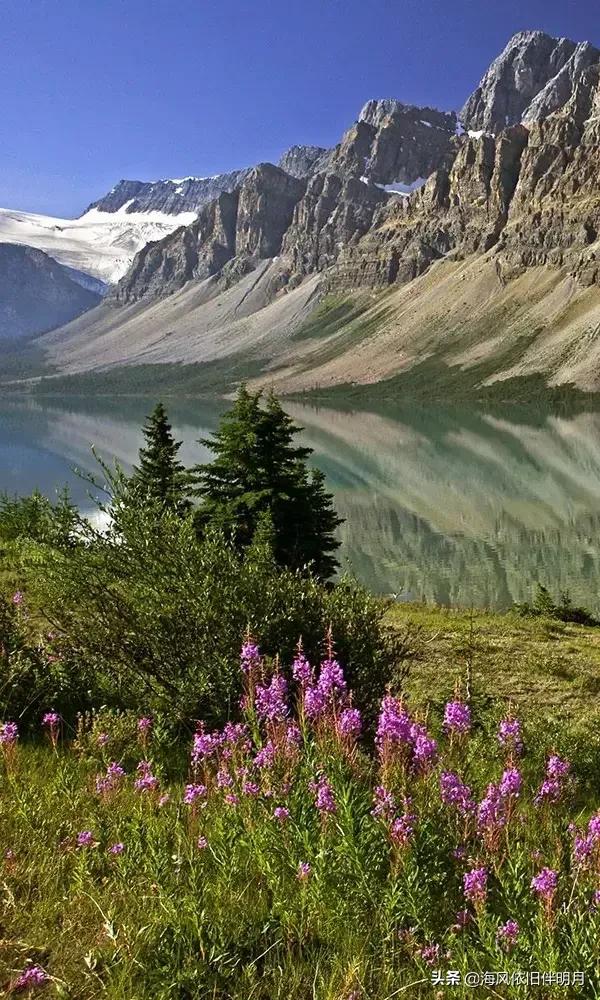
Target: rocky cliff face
{"type": "Point", "coordinates": [534, 76]}
{"type": "Point", "coordinates": [247, 224]}
{"type": "Point", "coordinates": [36, 293]}
{"type": "Point", "coordinates": [302, 161]}
{"type": "Point", "coordinates": [185, 194]}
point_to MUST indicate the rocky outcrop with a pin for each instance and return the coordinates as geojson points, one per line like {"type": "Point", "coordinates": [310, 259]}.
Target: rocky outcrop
{"type": "Point", "coordinates": [534, 76]}
{"type": "Point", "coordinates": [247, 224]}
{"type": "Point", "coordinates": [303, 161]}
{"type": "Point", "coordinates": [36, 293]}
{"type": "Point", "coordinates": [171, 197]}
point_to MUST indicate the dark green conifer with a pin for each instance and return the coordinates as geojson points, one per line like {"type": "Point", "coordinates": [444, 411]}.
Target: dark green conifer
{"type": "Point", "coordinates": [160, 476]}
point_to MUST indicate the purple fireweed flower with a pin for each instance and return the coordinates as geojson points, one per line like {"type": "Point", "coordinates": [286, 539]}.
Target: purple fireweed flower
{"type": "Point", "coordinates": [491, 813]}
{"type": "Point", "coordinates": [508, 933]}
{"type": "Point", "coordinates": [583, 848]}
{"type": "Point", "coordinates": [231, 799]}
{"type": "Point", "coordinates": [146, 782]}
{"type": "Point", "coordinates": [271, 705]}
{"type": "Point", "coordinates": [9, 734]}
{"type": "Point", "coordinates": [281, 814]}
{"type": "Point", "coordinates": [31, 978]}
{"type": "Point", "coordinates": [384, 805]}
{"type": "Point", "coordinates": [144, 725]}
{"type": "Point", "coordinates": [102, 739]}
{"type": "Point", "coordinates": [85, 838]}
{"type": "Point", "coordinates": [192, 793]}
{"type": "Point", "coordinates": [315, 702]}
{"type": "Point", "coordinates": [116, 849]}
{"type": "Point", "coordinates": [224, 779]}
{"type": "Point", "coordinates": [463, 917]}
{"type": "Point", "coordinates": [596, 899]}
{"type": "Point", "coordinates": [51, 720]}
{"type": "Point", "coordinates": [235, 735]}
{"type": "Point", "coordinates": [249, 657]}
{"type": "Point", "coordinates": [457, 717]}
{"type": "Point", "coordinates": [509, 734]}
{"type": "Point", "coordinates": [544, 883]}
{"type": "Point", "coordinates": [250, 788]}
{"type": "Point", "coordinates": [425, 751]}
{"type": "Point", "coordinates": [265, 757]}
{"type": "Point", "coordinates": [594, 828]}
{"type": "Point", "coordinates": [304, 871]}
{"type": "Point", "coordinates": [454, 792]}
{"type": "Point", "coordinates": [301, 669]}
{"type": "Point", "coordinates": [331, 679]}
{"type": "Point", "coordinates": [549, 791]}
{"type": "Point", "coordinates": [18, 597]}
{"type": "Point", "coordinates": [164, 800]}
{"type": "Point", "coordinates": [292, 736]}
{"type": "Point", "coordinates": [394, 725]}
{"type": "Point", "coordinates": [475, 885]}
{"type": "Point", "coordinates": [324, 797]}
{"type": "Point", "coordinates": [111, 780]}
{"type": "Point", "coordinates": [403, 827]}
{"type": "Point", "coordinates": [204, 745]}
{"type": "Point", "coordinates": [430, 954]}
{"type": "Point", "coordinates": [349, 723]}
{"type": "Point", "coordinates": [511, 782]}
{"type": "Point", "coordinates": [557, 769]}
{"type": "Point", "coordinates": [202, 843]}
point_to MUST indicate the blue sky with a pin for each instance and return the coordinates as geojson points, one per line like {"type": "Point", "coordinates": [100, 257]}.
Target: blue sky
{"type": "Point", "coordinates": [96, 90]}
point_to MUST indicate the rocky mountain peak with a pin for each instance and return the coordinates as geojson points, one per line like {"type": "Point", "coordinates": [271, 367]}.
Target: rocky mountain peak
{"type": "Point", "coordinates": [302, 161]}
{"type": "Point", "coordinates": [533, 76]}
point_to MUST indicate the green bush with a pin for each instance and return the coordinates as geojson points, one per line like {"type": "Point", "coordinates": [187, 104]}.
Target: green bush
{"type": "Point", "coordinates": [158, 616]}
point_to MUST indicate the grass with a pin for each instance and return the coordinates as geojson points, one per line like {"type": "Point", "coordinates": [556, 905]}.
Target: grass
{"type": "Point", "coordinates": [540, 664]}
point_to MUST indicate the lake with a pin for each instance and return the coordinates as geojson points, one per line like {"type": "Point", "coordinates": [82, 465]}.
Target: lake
{"type": "Point", "coordinates": [455, 506]}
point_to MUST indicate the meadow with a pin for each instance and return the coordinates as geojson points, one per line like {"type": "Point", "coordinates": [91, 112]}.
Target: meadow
{"type": "Point", "coordinates": [294, 853]}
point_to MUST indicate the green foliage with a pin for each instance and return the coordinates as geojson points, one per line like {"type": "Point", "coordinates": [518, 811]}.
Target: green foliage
{"type": "Point", "coordinates": [159, 615]}
{"type": "Point", "coordinates": [257, 469]}
{"type": "Point", "coordinates": [544, 606]}
{"type": "Point", "coordinates": [38, 519]}
{"type": "Point", "coordinates": [160, 476]}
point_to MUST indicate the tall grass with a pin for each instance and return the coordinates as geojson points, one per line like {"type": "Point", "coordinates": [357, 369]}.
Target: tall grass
{"type": "Point", "coordinates": [289, 855]}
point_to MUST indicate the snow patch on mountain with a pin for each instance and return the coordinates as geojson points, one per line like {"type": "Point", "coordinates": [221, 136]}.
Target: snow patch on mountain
{"type": "Point", "coordinates": [101, 244]}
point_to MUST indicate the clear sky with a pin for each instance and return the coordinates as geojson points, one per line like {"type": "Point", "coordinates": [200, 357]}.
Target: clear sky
{"type": "Point", "coordinates": [96, 90]}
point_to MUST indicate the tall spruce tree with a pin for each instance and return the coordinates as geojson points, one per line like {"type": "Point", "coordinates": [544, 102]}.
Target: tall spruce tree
{"type": "Point", "coordinates": [259, 470]}
{"type": "Point", "coordinates": [160, 476]}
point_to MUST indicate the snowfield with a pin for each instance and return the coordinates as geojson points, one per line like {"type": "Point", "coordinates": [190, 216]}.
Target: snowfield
{"type": "Point", "coordinates": [102, 244]}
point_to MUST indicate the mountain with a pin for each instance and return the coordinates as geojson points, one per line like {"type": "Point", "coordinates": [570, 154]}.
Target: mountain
{"type": "Point", "coordinates": [413, 252]}
{"type": "Point", "coordinates": [170, 197]}
{"type": "Point", "coordinates": [36, 293]}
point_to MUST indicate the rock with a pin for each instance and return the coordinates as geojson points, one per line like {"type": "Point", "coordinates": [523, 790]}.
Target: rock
{"type": "Point", "coordinates": [303, 161]}
{"type": "Point", "coordinates": [186, 194]}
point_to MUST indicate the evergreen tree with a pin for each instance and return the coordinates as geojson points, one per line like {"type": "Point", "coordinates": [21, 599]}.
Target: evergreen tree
{"type": "Point", "coordinates": [258, 470]}
{"type": "Point", "coordinates": [160, 476]}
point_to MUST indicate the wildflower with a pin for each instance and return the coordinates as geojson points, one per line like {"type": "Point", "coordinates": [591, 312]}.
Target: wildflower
{"type": "Point", "coordinates": [292, 736]}
{"type": "Point", "coordinates": [384, 803]}
{"type": "Point", "coordinates": [301, 668]}
{"type": "Point", "coordinates": [457, 717]}
{"type": "Point", "coordinates": [144, 727]}
{"type": "Point", "coordinates": [304, 871]}
{"type": "Point", "coordinates": [202, 843]}
{"type": "Point", "coordinates": [594, 827]}
{"type": "Point", "coordinates": [315, 702]}
{"type": "Point", "coordinates": [511, 782]}
{"type": "Point", "coordinates": [204, 745]}
{"type": "Point", "coordinates": [265, 756]}
{"type": "Point", "coordinates": [463, 917]}
{"type": "Point", "coordinates": [271, 703]}
{"type": "Point", "coordinates": [31, 978]}
{"type": "Point", "coordinates": [430, 954]}
{"type": "Point", "coordinates": [51, 720]}
{"type": "Point", "coordinates": [231, 799]}
{"type": "Point", "coordinates": [557, 769]}
{"type": "Point", "coordinates": [509, 734]}
{"type": "Point", "coordinates": [250, 788]}
{"type": "Point", "coordinates": [394, 725]}
{"type": "Point", "coordinates": [116, 849]}
{"type": "Point", "coordinates": [193, 792]}
{"type": "Point", "coordinates": [111, 780]}
{"type": "Point", "coordinates": [544, 883]}
{"type": "Point", "coordinates": [281, 814]}
{"type": "Point", "coordinates": [491, 813]}
{"type": "Point", "coordinates": [454, 792]}
{"type": "Point", "coordinates": [85, 838]}
{"type": "Point", "coordinates": [164, 800]}
{"type": "Point", "coordinates": [147, 782]}
{"type": "Point", "coordinates": [596, 899]}
{"type": "Point", "coordinates": [582, 848]}
{"type": "Point", "coordinates": [402, 828]}
{"type": "Point", "coordinates": [9, 734]}
{"type": "Point", "coordinates": [425, 751]}
{"type": "Point", "coordinates": [18, 597]}
{"type": "Point", "coordinates": [324, 797]}
{"type": "Point", "coordinates": [350, 723]}
{"type": "Point", "coordinates": [331, 679]}
{"type": "Point", "coordinates": [224, 779]}
{"type": "Point", "coordinates": [102, 739]}
{"type": "Point", "coordinates": [508, 933]}
{"type": "Point", "coordinates": [475, 885]}
{"type": "Point", "coordinates": [250, 657]}
{"type": "Point", "coordinates": [550, 791]}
